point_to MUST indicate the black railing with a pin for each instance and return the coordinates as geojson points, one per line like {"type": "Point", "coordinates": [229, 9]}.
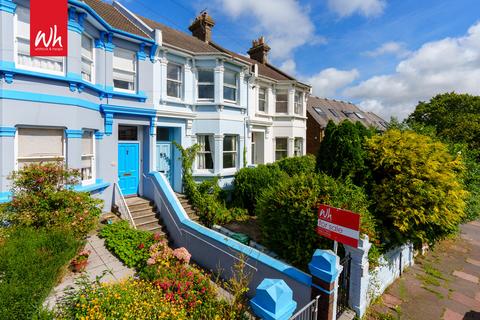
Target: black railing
{"type": "Point", "coordinates": [343, 285]}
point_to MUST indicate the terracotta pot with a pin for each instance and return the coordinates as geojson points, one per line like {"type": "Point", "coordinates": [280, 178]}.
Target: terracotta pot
{"type": "Point", "coordinates": [79, 266]}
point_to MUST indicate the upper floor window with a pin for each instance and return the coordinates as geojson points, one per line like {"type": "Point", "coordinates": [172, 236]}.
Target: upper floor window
{"type": "Point", "coordinates": [87, 58]}
{"type": "Point", "coordinates": [174, 80]}
{"type": "Point", "coordinates": [297, 107]}
{"type": "Point", "coordinates": [204, 155]}
{"type": "Point", "coordinates": [262, 99]}
{"type": "Point", "coordinates": [88, 157]}
{"type": "Point", "coordinates": [206, 84]}
{"type": "Point", "coordinates": [54, 65]}
{"type": "Point", "coordinates": [229, 151]}
{"type": "Point", "coordinates": [230, 85]}
{"type": "Point", "coordinates": [124, 70]}
{"type": "Point", "coordinates": [40, 145]}
{"type": "Point", "coordinates": [282, 102]}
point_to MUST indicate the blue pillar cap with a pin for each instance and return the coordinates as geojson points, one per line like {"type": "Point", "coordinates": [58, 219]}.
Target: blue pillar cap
{"type": "Point", "coordinates": [324, 265]}
{"type": "Point", "coordinates": [273, 300]}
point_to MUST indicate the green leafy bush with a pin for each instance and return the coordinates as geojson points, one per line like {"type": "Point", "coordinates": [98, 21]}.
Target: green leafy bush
{"type": "Point", "coordinates": [288, 219]}
{"type": "Point", "coordinates": [417, 191]}
{"type": "Point", "coordinates": [297, 165]}
{"type": "Point", "coordinates": [129, 245]}
{"type": "Point", "coordinates": [31, 261]}
{"type": "Point", "coordinates": [341, 153]}
{"type": "Point", "coordinates": [42, 198]}
{"type": "Point", "coordinates": [250, 181]}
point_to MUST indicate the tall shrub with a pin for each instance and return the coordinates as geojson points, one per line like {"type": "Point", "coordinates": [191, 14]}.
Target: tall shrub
{"type": "Point", "coordinates": [417, 192]}
{"type": "Point", "coordinates": [297, 165]}
{"type": "Point", "coordinates": [288, 219]}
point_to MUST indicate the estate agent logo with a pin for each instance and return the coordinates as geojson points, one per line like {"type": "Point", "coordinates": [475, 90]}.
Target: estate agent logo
{"type": "Point", "coordinates": [48, 28]}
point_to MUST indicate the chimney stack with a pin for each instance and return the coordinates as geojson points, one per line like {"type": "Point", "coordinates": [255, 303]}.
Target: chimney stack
{"type": "Point", "coordinates": [201, 28]}
{"type": "Point", "coordinates": [259, 50]}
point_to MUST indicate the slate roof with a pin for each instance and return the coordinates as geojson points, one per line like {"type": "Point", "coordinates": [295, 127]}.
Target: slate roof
{"type": "Point", "coordinates": [323, 110]}
{"type": "Point", "coordinates": [177, 38]}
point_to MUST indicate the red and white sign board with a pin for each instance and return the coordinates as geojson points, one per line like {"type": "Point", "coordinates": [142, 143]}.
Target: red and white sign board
{"type": "Point", "coordinates": [48, 28]}
{"type": "Point", "coordinates": [339, 225]}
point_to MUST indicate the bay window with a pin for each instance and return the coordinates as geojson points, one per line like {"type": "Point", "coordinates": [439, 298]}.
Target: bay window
{"type": "Point", "coordinates": [124, 70]}
{"type": "Point", "coordinates": [87, 58]}
{"type": "Point", "coordinates": [298, 147]}
{"type": "Point", "coordinates": [204, 155]}
{"type": "Point", "coordinates": [282, 102]}
{"type": "Point", "coordinates": [37, 145]}
{"type": "Point", "coordinates": [88, 157]}
{"type": "Point", "coordinates": [230, 85]}
{"type": "Point", "coordinates": [174, 80]}
{"type": "Point", "coordinates": [230, 152]}
{"type": "Point", "coordinates": [262, 99]}
{"type": "Point", "coordinates": [54, 65]}
{"type": "Point", "coordinates": [281, 148]}
{"type": "Point", "coordinates": [297, 106]}
{"type": "Point", "coordinates": [206, 85]}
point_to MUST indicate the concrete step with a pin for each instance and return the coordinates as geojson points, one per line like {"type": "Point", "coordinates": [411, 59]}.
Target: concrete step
{"type": "Point", "coordinates": [140, 211]}
{"type": "Point", "coordinates": [153, 227]}
{"type": "Point", "coordinates": [183, 201]}
{"type": "Point", "coordinates": [135, 200]}
{"type": "Point", "coordinates": [181, 196]}
{"type": "Point", "coordinates": [140, 206]}
{"type": "Point", "coordinates": [146, 219]}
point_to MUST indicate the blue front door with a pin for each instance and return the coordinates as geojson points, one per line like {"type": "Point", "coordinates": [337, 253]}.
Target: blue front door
{"type": "Point", "coordinates": [128, 172]}
{"type": "Point", "coordinates": [164, 159]}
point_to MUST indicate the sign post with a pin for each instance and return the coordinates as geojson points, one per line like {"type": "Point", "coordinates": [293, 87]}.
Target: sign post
{"type": "Point", "coordinates": [339, 225]}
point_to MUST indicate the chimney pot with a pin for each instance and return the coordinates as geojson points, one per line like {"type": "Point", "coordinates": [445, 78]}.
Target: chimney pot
{"type": "Point", "coordinates": [259, 50]}
{"type": "Point", "coordinates": [201, 27]}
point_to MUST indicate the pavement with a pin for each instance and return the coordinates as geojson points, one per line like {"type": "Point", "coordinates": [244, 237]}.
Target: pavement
{"type": "Point", "coordinates": [100, 262]}
{"type": "Point", "coordinates": [443, 284]}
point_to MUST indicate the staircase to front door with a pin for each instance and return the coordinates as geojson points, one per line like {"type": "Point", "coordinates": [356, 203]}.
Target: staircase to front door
{"type": "Point", "coordinates": [144, 215]}
{"type": "Point", "coordinates": [187, 206]}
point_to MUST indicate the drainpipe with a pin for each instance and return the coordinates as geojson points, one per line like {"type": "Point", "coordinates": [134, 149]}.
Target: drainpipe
{"type": "Point", "coordinates": [245, 119]}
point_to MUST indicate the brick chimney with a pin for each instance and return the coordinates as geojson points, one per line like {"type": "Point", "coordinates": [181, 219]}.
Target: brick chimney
{"type": "Point", "coordinates": [259, 50]}
{"type": "Point", "coordinates": [201, 28]}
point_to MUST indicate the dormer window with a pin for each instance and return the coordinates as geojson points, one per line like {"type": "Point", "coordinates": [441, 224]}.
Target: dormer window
{"type": "Point", "coordinates": [124, 70]}
{"type": "Point", "coordinates": [206, 85]}
{"type": "Point", "coordinates": [230, 85]}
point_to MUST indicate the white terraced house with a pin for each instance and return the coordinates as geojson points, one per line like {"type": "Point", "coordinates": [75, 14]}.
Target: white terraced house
{"type": "Point", "coordinates": [131, 86]}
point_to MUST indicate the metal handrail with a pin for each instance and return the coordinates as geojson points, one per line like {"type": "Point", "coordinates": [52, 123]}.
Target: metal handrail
{"type": "Point", "coordinates": [124, 203]}
{"type": "Point", "coordinates": [309, 312]}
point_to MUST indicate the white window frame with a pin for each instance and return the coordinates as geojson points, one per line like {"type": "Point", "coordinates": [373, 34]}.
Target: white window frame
{"type": "Point", "coordinates": [92, 159]}
{"type": "Point", "coordinates": [281, 150]}
{"type": "Point", "coordinates": [40, 158]}
{"type": "Point", "coordinates": [204, 153]}
{"type": "Point", "coordinates": [89, 60]}
{"type": "Point", "coordinates": [234, 151]}
{"type": "Point", "coordinates": [231, 86]}
{"type": "Point", "coordinates": [30, 68]}
{"type": "Point", "coordinates": [299, 152]}
{"type": "Point", "coordinates": [297, 102]}
{"type": "Point", "coordinates": [260, 89]}
{"type": "Point", "coordinates": [278, 93]}
{"type": "Point", "coordinates": [135, 71]}
{"type": "Point", "coordinates": [205, 84]}
{"type": "Point", "coordinates": [178, 82]}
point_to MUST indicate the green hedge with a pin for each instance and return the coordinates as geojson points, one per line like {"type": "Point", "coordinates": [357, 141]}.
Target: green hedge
{"type": "Point", "coordinates": [288, 220]}
{"type": "Point", "coordinates": [31, 261]}
{"type": "Point", "coordinates": [298, 165]}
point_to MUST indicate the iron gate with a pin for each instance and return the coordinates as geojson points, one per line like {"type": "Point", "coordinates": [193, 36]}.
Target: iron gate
{"type": "Point", "coordinates": [343, 285]}
{"type": "Point", "coordinates": [309, 312]}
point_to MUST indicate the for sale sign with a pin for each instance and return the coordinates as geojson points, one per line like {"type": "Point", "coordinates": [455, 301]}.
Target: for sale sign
{"type": "Point", "coordinates": [339, 225]}
{"type": "Point", "coordinates": [48, 28]}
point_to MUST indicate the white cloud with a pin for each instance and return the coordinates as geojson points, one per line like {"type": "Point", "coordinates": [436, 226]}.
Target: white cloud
{"type": "Point", "coordinates": [391, 48]}
{"type": "Point", "coordinates": [367, 8]}
{"type": "Point", "coordinates": [450, 64]}
{"type": "Point", "coordinates": [285, 23]}
{"type": "Point", "coordinates": [289, 66]}
{"type": "Point", "coordinates": [327, 82]}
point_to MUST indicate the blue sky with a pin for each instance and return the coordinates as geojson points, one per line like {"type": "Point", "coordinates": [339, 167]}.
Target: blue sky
{"type": "Point", "coordinates": [384, 55]}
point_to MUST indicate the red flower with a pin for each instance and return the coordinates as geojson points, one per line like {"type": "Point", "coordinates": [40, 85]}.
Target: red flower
{"type": "Point", "coordinates": [141, 246]}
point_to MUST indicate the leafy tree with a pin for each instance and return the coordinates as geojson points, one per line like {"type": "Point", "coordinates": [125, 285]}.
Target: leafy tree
{"type": "Point", "coordinates": [417, 190]}
{"type": "Point", "coordinates": [455, 117]}
{"type": "Point", "coordinates": [341, 152]}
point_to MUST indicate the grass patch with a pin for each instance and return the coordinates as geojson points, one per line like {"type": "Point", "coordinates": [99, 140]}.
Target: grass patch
{"type": "Point", "coordinates": [31, 261]}
{"type": "Point", "coordinates": [402, 290]}
{"type": "Point", "coordinates": [435, 292]}
{"type": "Point", "coordinates": [432, 271]}
{"type": "Point", "coordinates": [428, 280]}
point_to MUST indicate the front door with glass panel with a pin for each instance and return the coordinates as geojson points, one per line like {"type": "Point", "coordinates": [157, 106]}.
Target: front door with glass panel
{"type": "Point", "coordinates": [128, 160]}
{"type": "Point", "coordinates": [164, 153]}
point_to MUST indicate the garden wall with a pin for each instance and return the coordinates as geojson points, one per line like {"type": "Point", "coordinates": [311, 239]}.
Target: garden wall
{"type": "Point", "coordinates": [219, 253]}
{"type": "Point", "coordinates": [366, 284]}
